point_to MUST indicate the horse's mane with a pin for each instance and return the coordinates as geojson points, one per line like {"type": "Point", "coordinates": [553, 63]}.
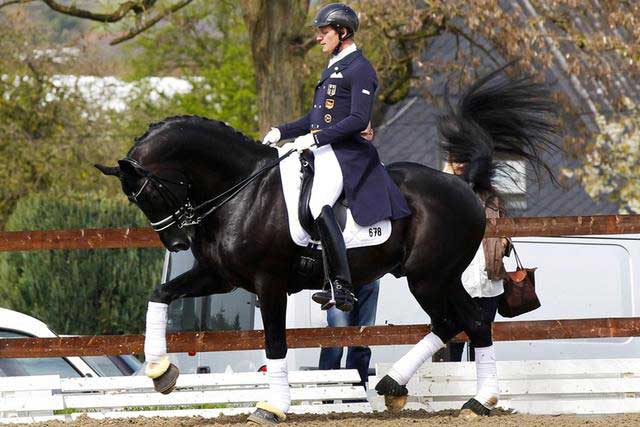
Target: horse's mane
{"type": "Point", "coordinates": [171, 123]}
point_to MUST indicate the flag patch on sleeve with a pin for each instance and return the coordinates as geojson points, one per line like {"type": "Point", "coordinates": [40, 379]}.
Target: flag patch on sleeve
{"type": "Point", "coordinates": [366, 92]}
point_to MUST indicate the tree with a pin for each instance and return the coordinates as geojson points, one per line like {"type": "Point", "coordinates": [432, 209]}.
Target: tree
{"type": "Point", "coordinates": [592, 47]}
{"type": "Point", "coordinates": [278, 47]}
{"type": "Point", "coordinates": [49, 136]}
{"type": "Point", "coordinates": [612, 162]}
{"type": "Point", "coordinates": [207, 46]}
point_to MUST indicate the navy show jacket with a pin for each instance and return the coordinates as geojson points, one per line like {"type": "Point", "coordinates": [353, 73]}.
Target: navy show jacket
{"type": "Point", "coordinates": [341, 109]}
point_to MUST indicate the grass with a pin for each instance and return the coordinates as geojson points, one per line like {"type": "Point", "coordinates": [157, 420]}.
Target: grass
{"type": "Point", "coordinates": [68, 411]}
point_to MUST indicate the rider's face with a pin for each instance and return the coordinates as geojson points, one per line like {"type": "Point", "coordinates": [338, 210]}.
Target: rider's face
{"type": "Point", "coordinates": [328, 38]}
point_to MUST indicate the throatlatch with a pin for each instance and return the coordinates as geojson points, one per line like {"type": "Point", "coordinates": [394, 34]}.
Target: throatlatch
{"type": "Point", "coordinates": [336, 265]}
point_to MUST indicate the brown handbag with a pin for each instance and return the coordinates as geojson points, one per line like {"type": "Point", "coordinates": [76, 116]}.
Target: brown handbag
{"type": "Point", "coordinates": [519, 295]}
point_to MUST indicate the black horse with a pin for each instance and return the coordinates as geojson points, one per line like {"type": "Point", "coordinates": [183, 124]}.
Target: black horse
{"type": "Point", "coordinates": [240, 238]}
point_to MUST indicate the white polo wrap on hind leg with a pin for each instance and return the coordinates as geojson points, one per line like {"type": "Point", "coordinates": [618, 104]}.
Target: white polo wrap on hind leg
{"type": "Point", "coordinates": [278, 377]}
{"type": "Point", "coordinates": [155, 341]}
{"type": "Point", "coordinates": [403, 369]}
{"type": "Point", "coordinates": [487, 391]}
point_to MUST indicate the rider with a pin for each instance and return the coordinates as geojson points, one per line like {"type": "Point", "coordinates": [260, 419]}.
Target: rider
{"type": "Point", "coordinates": [335, 131]}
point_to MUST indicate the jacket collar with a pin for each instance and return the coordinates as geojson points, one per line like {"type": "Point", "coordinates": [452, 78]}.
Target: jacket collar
{"type": "Point", "coordinates": [343, 54]}
{"type": "Point", "coordinates": [340, 65]}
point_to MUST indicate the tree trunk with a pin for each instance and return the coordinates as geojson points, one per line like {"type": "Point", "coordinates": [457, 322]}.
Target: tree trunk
{"type": "Point", "coordinates": [277, 30]}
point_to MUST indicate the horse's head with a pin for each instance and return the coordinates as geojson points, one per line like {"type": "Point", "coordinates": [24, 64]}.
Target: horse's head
{"type": "Point", "coordinates": [163, 197]}
{"type": "Point", "coordinates": [180, 160]}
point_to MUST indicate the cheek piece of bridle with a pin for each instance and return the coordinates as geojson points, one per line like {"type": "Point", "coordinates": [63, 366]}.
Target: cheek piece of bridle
{"type": "Point", "coordinates": [186, 214]}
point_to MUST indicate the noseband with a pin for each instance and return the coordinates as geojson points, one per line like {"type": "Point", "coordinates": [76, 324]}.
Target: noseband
{"type": "Point", "coordinates": [186, 214]}
{"type": "Point", "coordinates": [183, 215]}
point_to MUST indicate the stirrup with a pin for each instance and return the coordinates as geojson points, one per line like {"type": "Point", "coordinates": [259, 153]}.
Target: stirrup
{"type": "Point", "coordinates": [337, 296]}
{"type": "Point", "coordinates": [325, 297]}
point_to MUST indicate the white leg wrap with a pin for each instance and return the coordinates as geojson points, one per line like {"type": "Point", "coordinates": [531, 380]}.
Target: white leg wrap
{"type": "Point", "coordinates": [155, 341]}
{"type": "Point", "coordinates": [487, 391]}
{"type": "Point", "coordinates": [278, 377]}
{"type": "Point", "coordinates": [403, 369]}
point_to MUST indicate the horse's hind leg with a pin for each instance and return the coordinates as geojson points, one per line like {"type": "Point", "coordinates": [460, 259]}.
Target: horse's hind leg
{"type": "Point", "coordinates": [433, 300]}
{"type": "Point", "coordinates": [452, 310]}
{"type": "Point", "coordinates": [476, 316]}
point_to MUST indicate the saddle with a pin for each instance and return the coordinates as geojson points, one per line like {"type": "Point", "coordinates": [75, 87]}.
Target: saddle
{"type": "Point", "coordinates": [307, 167]}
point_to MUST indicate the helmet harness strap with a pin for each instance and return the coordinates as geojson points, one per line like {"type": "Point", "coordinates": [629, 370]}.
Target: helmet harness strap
{"type": "Point", "coordinates": [341, 38]}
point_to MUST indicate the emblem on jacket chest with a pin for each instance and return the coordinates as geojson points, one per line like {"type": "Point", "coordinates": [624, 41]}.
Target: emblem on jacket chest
{"type": "Point", "coordinates": [327, 118]}
{"type": "Point", "coordinates": [331, 90]}
{"type": "Point", "coordinates": [328, 103]}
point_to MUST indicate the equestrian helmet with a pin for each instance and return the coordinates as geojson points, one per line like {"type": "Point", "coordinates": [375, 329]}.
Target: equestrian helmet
{"type": "Point", "coordinates": [337, 15]}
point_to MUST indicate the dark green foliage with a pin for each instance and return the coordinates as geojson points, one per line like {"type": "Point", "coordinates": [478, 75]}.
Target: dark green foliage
{"type": "Point", "coordinates": [207, 45]}
{"type": "Point", "coordinates": [100, 291]}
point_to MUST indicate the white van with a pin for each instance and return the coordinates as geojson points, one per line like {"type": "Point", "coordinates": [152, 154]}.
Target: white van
{"type": "Point", "coordinates": [577, 277]}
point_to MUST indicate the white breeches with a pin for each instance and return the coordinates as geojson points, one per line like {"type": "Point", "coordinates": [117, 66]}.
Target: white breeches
{"type": "Point", "coordinates": [327, 180]}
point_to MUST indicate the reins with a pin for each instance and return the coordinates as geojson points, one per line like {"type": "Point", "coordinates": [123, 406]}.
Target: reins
{"type": "Point", "coordinates": [233, 191]}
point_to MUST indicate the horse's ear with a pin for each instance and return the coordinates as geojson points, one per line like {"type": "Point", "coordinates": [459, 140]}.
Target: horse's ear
{"type": "Point", "coordinates": [107, 170]}
{"type": "Point", "coordinates": [130, 167]}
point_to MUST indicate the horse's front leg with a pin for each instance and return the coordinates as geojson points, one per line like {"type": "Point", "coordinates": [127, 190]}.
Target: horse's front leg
{"type": "Point", "coordinates": [273, 308]}
{"type": "Point", "coordinates": [194, 283]}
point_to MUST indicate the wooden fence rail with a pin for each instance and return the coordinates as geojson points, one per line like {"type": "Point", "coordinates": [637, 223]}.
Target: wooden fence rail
{"type": "Point", "coordinates": [311, 337]}
{"type": "Point", "coordinates": [110, 238]}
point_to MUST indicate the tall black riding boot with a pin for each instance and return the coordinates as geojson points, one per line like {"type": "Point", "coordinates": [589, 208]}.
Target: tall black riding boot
{"type": "Point", "coordinates": [335, 255]}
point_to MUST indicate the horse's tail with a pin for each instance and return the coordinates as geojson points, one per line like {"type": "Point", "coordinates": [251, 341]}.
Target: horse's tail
{"type": "Point", "coordinates": [498, 117]}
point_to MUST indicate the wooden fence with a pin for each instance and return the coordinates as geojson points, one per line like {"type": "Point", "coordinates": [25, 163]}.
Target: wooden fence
{"type": "Point", "coordinates": [312, 337]}
{"type": "Point", "coordinates": [111, 238]}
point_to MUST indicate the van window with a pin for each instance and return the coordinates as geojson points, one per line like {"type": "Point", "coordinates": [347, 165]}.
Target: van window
{"type": "Point", "coordinates": [113, 366]}
{"type": "Point", "coordinates": [20, 367]}
{"type": "Point", "coordinates": [578, 277]}
{"type": "Point", "coordinates": [232, 311]}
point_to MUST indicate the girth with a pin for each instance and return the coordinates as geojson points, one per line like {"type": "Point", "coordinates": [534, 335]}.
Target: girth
{"type": "Point", "coordinates": [304, 213]}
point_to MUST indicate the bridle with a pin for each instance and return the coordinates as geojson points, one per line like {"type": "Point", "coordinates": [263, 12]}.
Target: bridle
{"type": "Point", "coordinates": [185, 214]}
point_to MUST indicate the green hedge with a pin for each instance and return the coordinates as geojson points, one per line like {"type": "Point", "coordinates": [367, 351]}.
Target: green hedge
{"type": "Point", "coordinates": [101, 291]}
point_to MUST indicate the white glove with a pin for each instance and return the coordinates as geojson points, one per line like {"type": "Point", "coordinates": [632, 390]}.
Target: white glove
{"type": "Point", "coordinates": [272, 137]}
{"type": "Point", "coordinates": [304, 142]}
{"type": "Point", "coordinates": [285, 148]}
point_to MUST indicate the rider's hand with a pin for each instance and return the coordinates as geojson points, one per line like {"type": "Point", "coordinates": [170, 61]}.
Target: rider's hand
{"type": "Point", "coordinates": [287, 147]}
{"type": "Point", "coordinates": [304, 142]}
{"type": "Point", "coordinates": [272, 137]}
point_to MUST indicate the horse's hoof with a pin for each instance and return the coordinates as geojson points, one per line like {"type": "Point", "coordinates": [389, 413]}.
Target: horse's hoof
{"type": "Point", "coordinates": [467, 414]}
{"type": "Point", "coordinates": [266, 414]}
{"type": "Point", "coordinates": [473, 409]}
{"type": "Point", "coordinates": [395, 404]}
{"type": "Point", "coordinates": [166, 382]}
{"type": "Point", "coordinates": [395, 395]}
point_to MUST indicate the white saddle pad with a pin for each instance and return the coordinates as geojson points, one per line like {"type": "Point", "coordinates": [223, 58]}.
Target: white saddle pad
{"type": "Point", "coordinates": [355, 236]}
